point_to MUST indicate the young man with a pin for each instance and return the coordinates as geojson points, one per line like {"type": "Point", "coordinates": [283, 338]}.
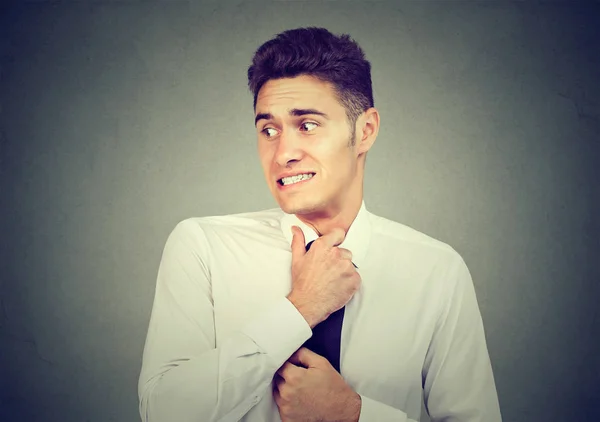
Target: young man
{"type": "Point", "coordinates": [250, 324]}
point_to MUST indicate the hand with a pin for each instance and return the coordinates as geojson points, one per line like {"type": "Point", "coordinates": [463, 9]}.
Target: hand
{"type": "Point", "coordinates": [324, 278]}
{"type": "Point", "coordinates": [308, 389]}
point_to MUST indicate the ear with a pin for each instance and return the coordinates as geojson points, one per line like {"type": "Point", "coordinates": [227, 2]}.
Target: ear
{"type": "Point", "coordinates": [367, 129]}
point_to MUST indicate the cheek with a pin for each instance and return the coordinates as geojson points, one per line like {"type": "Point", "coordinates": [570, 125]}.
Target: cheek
{"type": "Point", "coordinates": [265, 158]}
{"type": "Point", "coordinates": [336, 164]}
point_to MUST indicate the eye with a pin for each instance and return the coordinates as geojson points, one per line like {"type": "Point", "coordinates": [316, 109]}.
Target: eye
{"type": "Point", "coordinates": [308, 126]}
{"type": "Point", "coordinates": [269, 132]}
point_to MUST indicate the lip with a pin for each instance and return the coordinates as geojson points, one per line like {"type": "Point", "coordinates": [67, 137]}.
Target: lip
{"type": "Point", "coordinates": [293, 173]}
{"type": "Point", "coordinates": [294, 185]}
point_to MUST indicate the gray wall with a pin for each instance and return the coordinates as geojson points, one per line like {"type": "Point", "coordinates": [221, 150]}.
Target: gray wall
{"type": "Point", "coordinates": [120, 119]}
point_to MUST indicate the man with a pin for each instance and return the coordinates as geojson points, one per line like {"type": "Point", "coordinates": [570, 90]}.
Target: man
{"type": "Point", "coordinates": [238, 296]}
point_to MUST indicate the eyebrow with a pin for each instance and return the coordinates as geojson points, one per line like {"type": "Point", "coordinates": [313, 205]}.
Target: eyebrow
{"type": "Point", "coordinates": [293, 112]}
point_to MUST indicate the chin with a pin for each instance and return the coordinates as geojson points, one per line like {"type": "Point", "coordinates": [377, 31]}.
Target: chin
{"type": "Point", "coordinates": [290, 207]}
{"type": "Point", "coordinates": [299, 206]}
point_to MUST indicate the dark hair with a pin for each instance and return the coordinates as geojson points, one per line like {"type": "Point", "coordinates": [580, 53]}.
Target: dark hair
{"type": "Point", "coordinates": [338, 60]}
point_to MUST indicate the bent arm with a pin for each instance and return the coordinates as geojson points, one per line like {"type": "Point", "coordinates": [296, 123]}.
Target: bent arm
{"type": "Point", "coordinates": [184, 376]}
{"type": "Point", "coordinates": [458, 382]}
{"type": "Point", "coordinates": [457, 373]}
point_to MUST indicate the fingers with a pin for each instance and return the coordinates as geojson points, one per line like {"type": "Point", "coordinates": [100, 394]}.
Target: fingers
{"type": "Point", "coordinates": [331, 239]}
{"type": "Point", "coordinates": [295, 358]}
{"type": "Point", "coordinates": [306, 358]}
{"type": "Point", "coordinates": [334, 238]}
{"type": "Point", "coordinates": [345, 253]}
{"type": "Point", "coordinates": [298, 247]}
{"type": "Point", "coordinates": [289, 371]}
{"type": "Point", "coordinates": [277, 384]}
{"type": "Point", "coordinates": [277, 381]}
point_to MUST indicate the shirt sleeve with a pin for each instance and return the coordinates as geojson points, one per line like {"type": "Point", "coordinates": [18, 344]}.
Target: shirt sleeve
{"type": "Point", "coordinates": [184, 376]}
{"type": "Point", "coordinates": [457, 374]}
{"type": "Point", "coordinates": [373, 410]}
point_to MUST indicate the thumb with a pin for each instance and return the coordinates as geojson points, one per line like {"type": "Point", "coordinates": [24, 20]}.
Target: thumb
{"type": "Point", "coordinates": [298, 247]}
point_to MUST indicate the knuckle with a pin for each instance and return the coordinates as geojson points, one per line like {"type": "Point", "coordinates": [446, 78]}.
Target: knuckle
{"type": "Point", "coordinates": [291, 378]}
{"type": "Point", "coordinates": [285, 409]}
{"type": "Point", "coordinates": [285, 393]}
{"type": "Point", "coordinates": [349, 268]}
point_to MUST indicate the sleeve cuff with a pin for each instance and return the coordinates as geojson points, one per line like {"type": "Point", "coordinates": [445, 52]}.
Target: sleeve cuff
{"type": "Point", "coordinates": [279, 331]}
{"type": "Point", "coordinates": [372, 410]}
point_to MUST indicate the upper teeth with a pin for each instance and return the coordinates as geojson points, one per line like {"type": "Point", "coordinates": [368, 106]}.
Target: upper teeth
{"type": "Point", "coordinates": [295, 179]}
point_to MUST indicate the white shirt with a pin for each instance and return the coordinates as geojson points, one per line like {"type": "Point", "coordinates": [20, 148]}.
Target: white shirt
{"type": "Point", "coordinates": [221, 325]}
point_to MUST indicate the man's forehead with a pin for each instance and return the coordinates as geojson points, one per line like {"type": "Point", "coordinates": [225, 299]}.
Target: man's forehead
{"type": "Point", "coordinates": [303, 92]}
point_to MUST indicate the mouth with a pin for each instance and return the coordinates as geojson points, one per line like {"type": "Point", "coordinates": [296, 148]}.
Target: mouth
{"type": "Point", "coordinates": [290, 182]}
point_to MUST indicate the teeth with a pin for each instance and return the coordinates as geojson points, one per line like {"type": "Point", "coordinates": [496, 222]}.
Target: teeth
{"type": "Point", "coordinates": [295, 179]}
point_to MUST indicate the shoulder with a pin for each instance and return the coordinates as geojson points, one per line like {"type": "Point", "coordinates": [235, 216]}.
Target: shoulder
{"type": "Point", "coordinates": [425, 260]}
{"type": "Point", "coordinates": [408, 240]}
{"type": "Point", "coordinates": [214, 226]}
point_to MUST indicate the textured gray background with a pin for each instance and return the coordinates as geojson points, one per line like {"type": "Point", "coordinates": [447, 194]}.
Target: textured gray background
{"type": "Point", "coordinates": [120, 119]}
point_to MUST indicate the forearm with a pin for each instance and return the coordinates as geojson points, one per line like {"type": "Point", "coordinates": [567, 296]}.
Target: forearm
{"type": "Point", "coordinates": [219, 385]}
{"type": "Point", "coordinates": [223, 383]}
{"type": "Point", "coordinates": [457, 372]}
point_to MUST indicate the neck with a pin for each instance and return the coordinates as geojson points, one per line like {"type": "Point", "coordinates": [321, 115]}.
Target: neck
{"type": "Point", "coordinates": [340, 217]}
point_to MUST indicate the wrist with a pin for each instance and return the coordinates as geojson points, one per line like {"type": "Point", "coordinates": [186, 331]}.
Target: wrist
{"type": "Point", "coordinates": [306, 309]}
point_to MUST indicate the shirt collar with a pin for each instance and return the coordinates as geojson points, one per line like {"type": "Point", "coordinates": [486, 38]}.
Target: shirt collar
{"type": "Point", "coordinates": [356, 241]}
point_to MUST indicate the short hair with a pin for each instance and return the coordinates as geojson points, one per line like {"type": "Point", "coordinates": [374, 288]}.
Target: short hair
{"type": "Point", "coordinates": [317, 52]}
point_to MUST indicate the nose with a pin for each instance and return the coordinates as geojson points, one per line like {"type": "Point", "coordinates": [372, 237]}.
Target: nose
{"type": "Point", "coordinates": [288, 148]}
